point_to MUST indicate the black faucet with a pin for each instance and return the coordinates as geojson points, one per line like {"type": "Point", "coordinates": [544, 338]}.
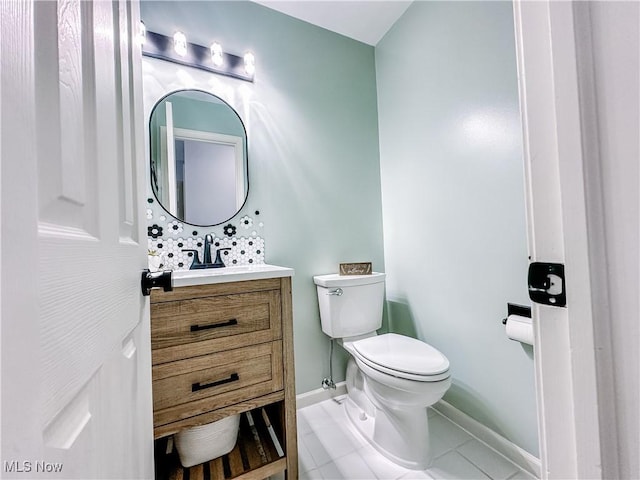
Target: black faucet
{"type": "Point", "coordinates": [208, 240]}
{"type": "Point", "coordinates": [219, 263]}
{"type": "Point", "coordinates": [196, 264]}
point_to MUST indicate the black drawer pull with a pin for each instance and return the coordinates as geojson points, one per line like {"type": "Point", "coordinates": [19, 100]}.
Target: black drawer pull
{"type": "Point", "coordinates": [234, 377]}
{"type": "Point", "coordinates": [228, 323]}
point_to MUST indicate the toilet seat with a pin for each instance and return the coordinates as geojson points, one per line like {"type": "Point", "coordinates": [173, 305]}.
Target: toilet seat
{"type": "Point", "coordinates": [402, 357]}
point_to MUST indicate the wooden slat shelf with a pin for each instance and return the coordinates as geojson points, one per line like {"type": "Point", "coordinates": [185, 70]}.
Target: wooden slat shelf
{"type": "Point", "coordinates": [246, 461]}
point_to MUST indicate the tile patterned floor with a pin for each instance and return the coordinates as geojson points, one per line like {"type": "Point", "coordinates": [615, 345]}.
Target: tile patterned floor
{"type": "Point", "coordinates": [329, 449]}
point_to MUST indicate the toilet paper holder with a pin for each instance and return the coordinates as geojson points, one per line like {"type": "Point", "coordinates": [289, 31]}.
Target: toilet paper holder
{"type": "Point", "coordinates": [514, 309]}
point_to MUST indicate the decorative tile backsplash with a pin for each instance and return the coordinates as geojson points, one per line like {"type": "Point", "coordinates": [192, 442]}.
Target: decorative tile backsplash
{"type": "Point", "coordinates": [168, 237]}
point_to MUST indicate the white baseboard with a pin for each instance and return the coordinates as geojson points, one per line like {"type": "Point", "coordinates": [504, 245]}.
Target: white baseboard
{"type": "Point", "coordinates": [497, 442]}
{"type": "Point", "coordinates": [320, 394]}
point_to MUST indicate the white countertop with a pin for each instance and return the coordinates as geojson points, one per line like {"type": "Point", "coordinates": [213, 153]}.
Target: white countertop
{"type": "Point", "coordinates": [186, 278]}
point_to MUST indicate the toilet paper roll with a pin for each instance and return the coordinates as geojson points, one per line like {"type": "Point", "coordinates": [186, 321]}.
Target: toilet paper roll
{"type": "Point", "coordinates": [520, 329]}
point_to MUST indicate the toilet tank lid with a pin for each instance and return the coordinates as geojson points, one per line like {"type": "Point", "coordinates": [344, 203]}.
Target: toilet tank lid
{"type": "Point", "coordinates": [337, 280]}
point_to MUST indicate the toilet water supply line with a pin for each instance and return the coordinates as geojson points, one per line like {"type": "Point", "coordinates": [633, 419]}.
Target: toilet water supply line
{"type": "Point", "coordinates": [328, 383]}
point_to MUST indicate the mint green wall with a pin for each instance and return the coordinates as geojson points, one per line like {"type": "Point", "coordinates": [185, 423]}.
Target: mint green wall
{"type": "Point", "coordinates": [313, 148]}
{"type": "Point", "coordinates": [198, 115]}
{"type": "Point", "coordinates": [453, 201]}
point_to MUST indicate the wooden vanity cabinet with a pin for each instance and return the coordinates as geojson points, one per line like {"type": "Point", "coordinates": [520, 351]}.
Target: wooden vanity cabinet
{"type": "Point", "coordinates": [222, 349]}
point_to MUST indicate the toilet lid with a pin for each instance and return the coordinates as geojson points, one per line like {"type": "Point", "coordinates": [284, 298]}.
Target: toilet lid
{"type": "Point", "coordinates": [402, 354]}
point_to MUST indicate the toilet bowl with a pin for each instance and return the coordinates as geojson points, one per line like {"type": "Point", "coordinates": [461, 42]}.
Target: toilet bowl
{"type": "Point", "coordinates": [391, 379]}
{"type": "Point", "coordinates": [398, 389]}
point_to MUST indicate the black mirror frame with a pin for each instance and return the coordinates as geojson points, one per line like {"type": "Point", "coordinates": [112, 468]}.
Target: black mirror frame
{"type": "Point", "coordinates": [152, 173]}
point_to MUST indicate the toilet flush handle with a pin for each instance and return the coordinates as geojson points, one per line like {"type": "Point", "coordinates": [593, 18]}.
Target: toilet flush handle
{"type": "Point", "coordinates": [337, 291]}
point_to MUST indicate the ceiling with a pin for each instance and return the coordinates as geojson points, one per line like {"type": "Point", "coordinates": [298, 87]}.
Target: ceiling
{"type": "Point", "coordinates": [365, 21]}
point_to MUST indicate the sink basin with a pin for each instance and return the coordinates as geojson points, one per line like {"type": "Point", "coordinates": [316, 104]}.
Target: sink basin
{"type": "Point", "coordinates": [186, 278]}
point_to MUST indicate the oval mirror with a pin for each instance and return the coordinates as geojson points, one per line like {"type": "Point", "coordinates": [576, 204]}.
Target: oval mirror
{"type": "Point", "coordinates": [199, 164]}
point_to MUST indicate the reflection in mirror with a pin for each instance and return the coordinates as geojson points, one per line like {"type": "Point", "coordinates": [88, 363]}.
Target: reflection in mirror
{"type": "Point", "coordinates": [199, 170]}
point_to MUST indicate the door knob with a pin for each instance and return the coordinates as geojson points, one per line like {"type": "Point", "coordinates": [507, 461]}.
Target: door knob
{"type": "Point", "coordinates": [151, 280]}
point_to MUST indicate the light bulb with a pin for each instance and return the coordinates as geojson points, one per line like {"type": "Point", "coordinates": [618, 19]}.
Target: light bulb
{"type": "Point", "coordinates": [180, 43]}
{"type": "Point", "coordinates": [249, 63]}
{"type": "Point", "coordinates": [216, 54]}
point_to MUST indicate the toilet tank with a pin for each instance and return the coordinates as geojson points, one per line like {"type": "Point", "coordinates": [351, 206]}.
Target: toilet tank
{"type": "Point", "coordinates": [357, 310]}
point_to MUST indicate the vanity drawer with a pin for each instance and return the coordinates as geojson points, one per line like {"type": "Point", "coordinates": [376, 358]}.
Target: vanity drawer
{"type": "Point", "coordinates": [198, 326]}
{"type": "Point", "coordinates": [190, 387]}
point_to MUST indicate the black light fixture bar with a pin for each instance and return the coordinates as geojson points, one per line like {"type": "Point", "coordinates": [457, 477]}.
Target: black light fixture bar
{"type": "Point", "coordinates": [160, 46]}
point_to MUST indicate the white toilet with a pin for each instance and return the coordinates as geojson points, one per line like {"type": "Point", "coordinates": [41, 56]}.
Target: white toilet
{"type": "Point", "coordinates": [391, 379]}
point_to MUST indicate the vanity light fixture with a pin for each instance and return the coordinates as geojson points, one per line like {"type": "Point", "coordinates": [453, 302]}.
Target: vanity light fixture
{"type": "Point", "coordinates": [249, 63]}
{"type": "Point", "coordinates": [180, 43]}
{"type": "Point", "coordinates": [216, 54]}
{"type": "Point", "coordinates": [212, 59]}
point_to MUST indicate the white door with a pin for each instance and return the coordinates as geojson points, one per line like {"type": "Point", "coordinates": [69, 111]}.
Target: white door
{"type": "Point", "coordinates": [210, 180]}
{"type": "Point", "coordinates": [554, 139]}
{"type": "Point", "coordinates": [76, 366]}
